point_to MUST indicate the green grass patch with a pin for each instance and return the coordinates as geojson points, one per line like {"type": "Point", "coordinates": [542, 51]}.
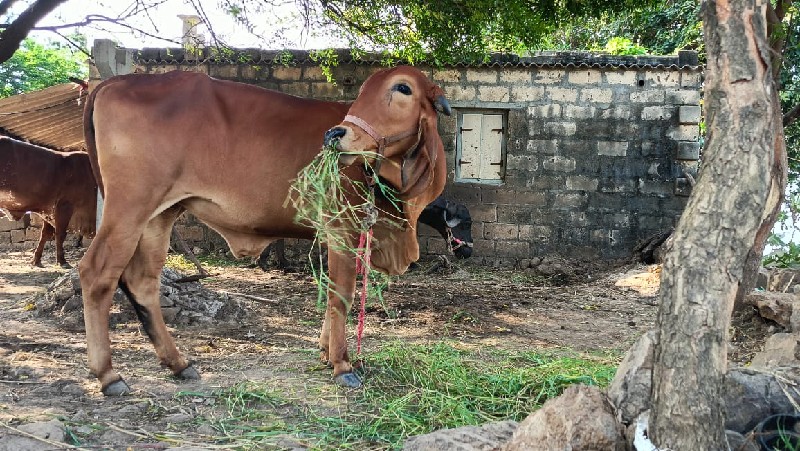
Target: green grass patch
{"type": "Point", "coordinates": [409, 390]}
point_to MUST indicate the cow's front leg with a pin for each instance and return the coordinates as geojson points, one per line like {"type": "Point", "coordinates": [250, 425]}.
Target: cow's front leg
{"type": "Point", "coordinates": [333, 341]}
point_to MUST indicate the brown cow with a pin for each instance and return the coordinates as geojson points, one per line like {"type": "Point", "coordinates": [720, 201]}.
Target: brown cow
{"type": "Point", "coordinates": [227, 152]}
{"type": "Point", "coordinates": [58, 186]}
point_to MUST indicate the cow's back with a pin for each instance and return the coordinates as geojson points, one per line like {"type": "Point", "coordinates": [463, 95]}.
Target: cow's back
{"type": "Point", "coordinates": [225, 151]}
{"type": "Point", "coordinates": [27, 176]}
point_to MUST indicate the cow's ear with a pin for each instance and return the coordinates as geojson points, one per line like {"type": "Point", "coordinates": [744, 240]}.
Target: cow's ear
{"type": "Point", "coordinates": [418, 165]}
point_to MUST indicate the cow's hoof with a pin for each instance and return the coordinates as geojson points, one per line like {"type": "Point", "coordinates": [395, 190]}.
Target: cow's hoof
{"type": "Point", "coordinates": [189, 374]}
{"type": "Point", "coordinates": [117, 388]}
{"type": "Point", "coordinates": [37, 264]}
{"type": "Point", "coordinates": [349, 380]}
{"type": "Point", "coordinates": [66, 265]}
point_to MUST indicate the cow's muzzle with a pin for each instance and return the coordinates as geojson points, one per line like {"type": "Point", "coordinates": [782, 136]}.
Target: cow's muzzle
{"type": "Point", "coordinates": [333, 136]}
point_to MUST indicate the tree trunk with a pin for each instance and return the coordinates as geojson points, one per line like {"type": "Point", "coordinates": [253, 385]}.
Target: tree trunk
{"type": "Point", "coordinates": [741, 183]}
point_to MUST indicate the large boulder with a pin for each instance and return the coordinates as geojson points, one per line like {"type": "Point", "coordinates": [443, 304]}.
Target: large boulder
{"type": "Point", "coordinates": [780, 350]}
{"type": "Point", "coordinates": [580, 419]}
{"type": "Point", "coordinates": [778, 307]}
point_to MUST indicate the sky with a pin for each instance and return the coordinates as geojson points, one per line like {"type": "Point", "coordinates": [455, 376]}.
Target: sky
{"type": "Point", "coordinates": [163, 21]}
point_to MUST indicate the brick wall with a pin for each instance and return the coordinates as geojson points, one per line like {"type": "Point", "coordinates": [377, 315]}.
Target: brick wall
{"type": "Point", "coordinates": [597, 148]}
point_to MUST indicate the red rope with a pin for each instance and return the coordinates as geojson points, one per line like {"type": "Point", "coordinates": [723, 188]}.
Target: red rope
{"type": "Point", "coordinates": [362, 267]}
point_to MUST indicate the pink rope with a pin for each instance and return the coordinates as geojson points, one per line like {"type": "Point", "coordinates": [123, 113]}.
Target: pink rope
{"type": "Point", "coordinates": [362, 267]}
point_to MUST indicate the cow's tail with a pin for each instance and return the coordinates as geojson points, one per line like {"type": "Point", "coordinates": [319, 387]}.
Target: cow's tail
{"type": "Point", "coordinates": [89, 134]}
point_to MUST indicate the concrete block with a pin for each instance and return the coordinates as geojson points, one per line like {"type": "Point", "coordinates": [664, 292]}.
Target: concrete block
{"type": "Point", "coordinates": [684, 133]}
{"type": "Point", "coordinates": [548, 76]}
{"type": "Point", "coordinates": [570, 200]}
{"type": "Point", "coordinates": [285, 73]}
{"type": "Point", "coordinates": [483, 213]}
{"type": "Point", "coordinates": [656, 113]}
{"type": "Point", "coordinates": [488, 93]}
{"type": "Point", "coordinates": [689, 114]}
{"type": "Point", "coordinates": [326, 91]}
{"type": "Point", "coordinates": [682, 96]}
{"type": "Point", "coordinates": [447, 76]}
{"type": "Point", "coordinates": [597, 95]}
{"type": "Point", "coordinates": [531, 198]}
{"type": "Point", "coordinates": [230, 71]}
{"type": "Point", "coordinates": [663, 78]}
{"type": "Point", "coordinates": [526, 93]}
{"type": "Point", "coordinates": [585, 77]}
{"type": "Point", "coordinates": [515, 249]}
{"type": "Point", "coordinates": [581, 183]}
{"type": "Point", "coordinates": [627, 77]}
{"type": "Point", "coordinates": [456, 93]}
{"type": "Point", "coordinates": [552, 110]}
{"type": "Point", "coordinates": [5, 238]}
{"type": "Point", "coordinates": [539, 234]}
{"type": "Point", "coordinates": [649, 96]}
{"type": "Point", "coordinates": [579, 112]}
{"type": "Point", "coordinates": [300, 88]}
{"type": "Point", "coordinates": [560, 128]}
{"type": "Point", "coordinates": [499, 231]}
{"type": "Point", "coordinates": [559, 163]}
{"type": "Point", "coordinates": [542, 146]}
{"type": "Point", "coordinates": [616, 112]}
{"type": "Point", "coordinates": [612, 148]}
{"type": "Point", "coordinates": [488, 75]}
{"type": "Point", "coordinates": [526, 163]}
{"type": "Point", "coordinates": [517, 75]}
{"type": "Point", "coordinates": [688, 150]}
{"type": "Point", "coordinates": [314, 73]}
{"type": "Point", "coordinates": [17, 236]}
{"type": "Point", "coordinates": [562, 95]}
{"type": "Point", "coordinates": [8, 225]}
{"type": "Point", "coordinates": [691, 79]}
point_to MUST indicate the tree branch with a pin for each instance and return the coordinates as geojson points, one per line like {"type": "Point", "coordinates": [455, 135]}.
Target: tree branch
{"type": "Point", "coordinates": [5, 5]}
{"type": "Point", "coordinates": [790, 116]}
{"type": "Point", "coordinates": [17, 31]}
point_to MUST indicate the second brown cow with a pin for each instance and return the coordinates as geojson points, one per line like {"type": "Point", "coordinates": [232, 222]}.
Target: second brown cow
{"type": "Point", "coordinates": [58, 186]}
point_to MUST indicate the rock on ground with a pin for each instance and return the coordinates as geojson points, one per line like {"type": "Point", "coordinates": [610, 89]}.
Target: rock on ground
{"type": "Point", "coordinates": [181, 303]}
{"type": "Point", "coordinates": [629, 392]}
{"type": "Point", "coordinates": [581, 418]}
{"type": "Point", "coordinates": [781, 349]}
{"type": "Point", "coordinates": [490, 436]}
{"type": "Point", "coordinates": [52, 433]}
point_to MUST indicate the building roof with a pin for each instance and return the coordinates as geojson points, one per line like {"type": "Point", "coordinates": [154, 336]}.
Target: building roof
{"type": "Point", "coordinates": [685, 59]}
{"type": "Point", "coordinates": [51, 117]}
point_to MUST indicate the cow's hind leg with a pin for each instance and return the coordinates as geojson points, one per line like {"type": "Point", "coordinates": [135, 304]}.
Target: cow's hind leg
{"type": "Point", "coordinates": [141, 282]}
{"type": "Point", "coordinates": [44, 236]}
{"type": "Point", "coordinates": [100, 271]}
{"type": "Point", "coordinates": [62, 217]}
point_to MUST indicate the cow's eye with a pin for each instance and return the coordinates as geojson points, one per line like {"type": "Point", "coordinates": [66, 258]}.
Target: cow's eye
{"type": "Point", "coordinates": [402, 88]}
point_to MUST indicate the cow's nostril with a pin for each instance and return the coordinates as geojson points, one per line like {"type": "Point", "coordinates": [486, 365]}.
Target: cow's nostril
{"type": "Point", "coordinates": [334, 134]}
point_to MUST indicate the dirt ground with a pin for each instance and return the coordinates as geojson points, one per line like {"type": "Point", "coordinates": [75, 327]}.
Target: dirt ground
{"type": "Point", "coordinates": [43, 372]}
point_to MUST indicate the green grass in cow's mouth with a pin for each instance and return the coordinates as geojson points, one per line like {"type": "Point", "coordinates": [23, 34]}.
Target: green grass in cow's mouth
{"type": "Point", "coordinates": [333, 204]}
{"type": "Point", "coordinates": [412, 390]}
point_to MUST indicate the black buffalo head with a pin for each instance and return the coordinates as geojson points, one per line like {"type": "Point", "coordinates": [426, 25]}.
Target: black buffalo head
{"type": "Point", "coordinates": [453, 221]}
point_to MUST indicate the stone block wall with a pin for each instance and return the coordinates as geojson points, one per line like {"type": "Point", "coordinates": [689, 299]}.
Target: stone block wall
{"type": "Point", "coordinates": [599, 151]}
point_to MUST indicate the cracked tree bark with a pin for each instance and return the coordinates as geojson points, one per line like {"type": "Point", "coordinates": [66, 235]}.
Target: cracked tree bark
{"type": "Point", "coordinates": [739, 189]}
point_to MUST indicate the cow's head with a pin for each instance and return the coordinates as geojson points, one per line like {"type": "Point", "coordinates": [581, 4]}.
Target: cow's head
{"type": "Point", "coordinates": [395, 118]}
{"type": "Point", "coordinates": [453, 221]}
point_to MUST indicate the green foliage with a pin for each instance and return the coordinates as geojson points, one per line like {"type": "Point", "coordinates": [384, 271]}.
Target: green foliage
{"type": "Point", "coordinates": [410, 390]}
{"type": "Point", "coordinates": [623, 46]}
{"type": "Point", "coordinates": [450, 31]}
{"type": "Point", "coordinates": [661, 27]}
{"type": "Point", "coordinates": [39, 65]}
